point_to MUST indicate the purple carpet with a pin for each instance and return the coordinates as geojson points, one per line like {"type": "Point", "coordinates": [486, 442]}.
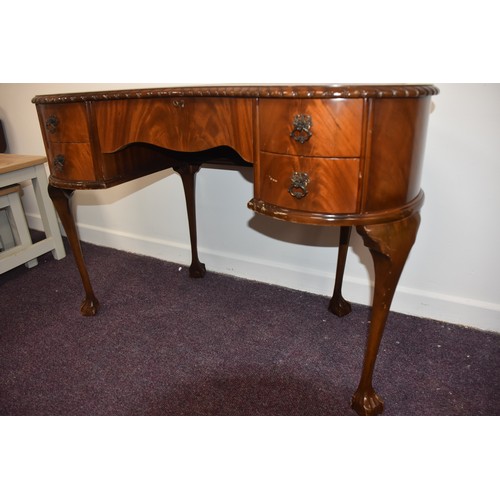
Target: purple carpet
{"type": "Point", "coordinates": [165, 344]}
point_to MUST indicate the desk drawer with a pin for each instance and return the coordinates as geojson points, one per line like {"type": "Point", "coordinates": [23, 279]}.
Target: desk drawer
{"type": "Point", "coordinates": [65, 123]}
{"type": "Point", "coordinates": [325, 185]}
{"type": "Point", "coordinates": [189, 124]}
{"type": "Point", "coordinates": [311, 127]}
{"type": "Point", "coordinates": [71, 161]}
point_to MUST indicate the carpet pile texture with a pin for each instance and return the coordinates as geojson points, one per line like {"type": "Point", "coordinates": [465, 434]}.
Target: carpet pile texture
{"type": "Point", "coordinates": [165, 344]}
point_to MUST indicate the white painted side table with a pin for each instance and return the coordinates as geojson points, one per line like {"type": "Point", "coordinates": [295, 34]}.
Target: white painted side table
{"type": "Point", "coordinates": [15, 169]}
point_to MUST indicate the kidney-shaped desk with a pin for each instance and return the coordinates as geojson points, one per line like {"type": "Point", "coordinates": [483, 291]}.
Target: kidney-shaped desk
{"type": "Point", "coordinates": [326, 155]}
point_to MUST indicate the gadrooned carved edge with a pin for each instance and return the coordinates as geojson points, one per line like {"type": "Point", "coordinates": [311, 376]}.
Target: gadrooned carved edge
{"type": "Point", "coordinates": [331, 219]}
{"type": "Point", "coordinates": [269, 91]}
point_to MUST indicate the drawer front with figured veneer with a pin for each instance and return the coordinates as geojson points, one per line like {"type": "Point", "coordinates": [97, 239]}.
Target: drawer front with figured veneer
{"type": "Point", "coordinates": [189, 124]}
{"type": "Point", "coordinates": [64, 123]}
{"type": "Point", "coordinates": [320, 185]}
{"type": "Point", "coordinates": [311, 127]}
{"type": "Point", "coordinates": [72, 162]}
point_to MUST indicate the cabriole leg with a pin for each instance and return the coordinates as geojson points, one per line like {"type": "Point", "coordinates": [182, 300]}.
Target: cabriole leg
{"type": "Point", "coordinates": [338, 305]}
{"type": "Point", "coordinates": [187, 173]}
{"type": "Point", "coordinates": [61, 199]}
{"type": "Point", "coordinates": [389, 245]}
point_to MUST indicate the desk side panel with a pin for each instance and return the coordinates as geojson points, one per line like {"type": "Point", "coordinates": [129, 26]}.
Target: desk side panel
{"type": "Point", "coordinates": [392, 177]}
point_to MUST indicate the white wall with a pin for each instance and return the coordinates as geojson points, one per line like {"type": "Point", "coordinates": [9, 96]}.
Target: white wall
{"type": "Point", "coordinates": [452, 274]}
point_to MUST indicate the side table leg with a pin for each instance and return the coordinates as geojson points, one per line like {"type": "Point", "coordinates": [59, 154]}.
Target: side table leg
{"type": "Point", "coordinates": [187, 173]}
{"type": "Point", "coordinates": [338, 305]}
{"type": "Point", "coordinates": [60, 198]}
{"type": "Point", "coordinates": [389, 245]}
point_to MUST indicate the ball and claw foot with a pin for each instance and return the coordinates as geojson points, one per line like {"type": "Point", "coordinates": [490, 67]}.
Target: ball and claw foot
{"type": "Point", "coordinates": [89, 306]}
{"type": "Point", "coordinates": [339, 306]}
{"type": "Point", "coordinates": [367, 403]}
{"type": "Point", "coordinates": [197, 270]}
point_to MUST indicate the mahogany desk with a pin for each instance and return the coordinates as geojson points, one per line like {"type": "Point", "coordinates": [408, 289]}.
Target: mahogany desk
{"type": "Point", "coordinates": [327, 155]}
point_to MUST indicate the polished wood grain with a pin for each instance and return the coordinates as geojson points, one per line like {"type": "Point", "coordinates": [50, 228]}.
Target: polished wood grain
{"type": "Point", "coordinates": [332, 188]}
{"type": "Point", "coordinates": [389, 245]}
{"type": "Point", "coordinates": [362, 161]}
{"type": "Point", "coordinates": [331, 91]}
{"type": "Point", "coordinates": [97, 154]}
{"type": "Point", "coordinates": [338, 305]}
{"type": "Point", "coordinates": [336, 127]}
{"type": "Point", "coordinates": [394, 166]}
{"type": "Point", "coordinates": [65, 123]}
{"type": "Point", "coordinates": [187, 125]}
{"type": "Point", "coordinates": [61, 199]}
{"type": "Point", "coordinates": [77, 165]}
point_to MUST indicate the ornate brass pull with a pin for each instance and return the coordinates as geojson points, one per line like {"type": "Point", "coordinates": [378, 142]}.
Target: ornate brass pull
{"type": "Point", "coordinates": [51, 124]}
{"type": "Point", "coordinates": [298, 188]}
{"type": "Point", "coordinates": [178, 103]}
{"type": "Point", "coordinates": [301, 128]}
{"type": "Point", "coordinates": [59, 163]}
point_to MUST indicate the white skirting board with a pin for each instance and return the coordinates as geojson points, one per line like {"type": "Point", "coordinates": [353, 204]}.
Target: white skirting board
{"type": "Point", "coordinates": [421, 303]}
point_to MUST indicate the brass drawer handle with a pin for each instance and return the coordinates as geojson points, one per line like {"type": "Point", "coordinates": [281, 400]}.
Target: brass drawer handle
{"type": "Point", "coordinates": [59, 163]}
{"type": "Point", "coordinates": [178, 103]}
{"type": "Point", "coordinates": [298, 188]}
{"type": "Point", "coordinates": [52, 123]}
{"type": "Point", "coordinates": [301, 128]}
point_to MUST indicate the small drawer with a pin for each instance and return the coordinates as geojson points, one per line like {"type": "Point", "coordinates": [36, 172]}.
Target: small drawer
{"type": "Point", "coordinates": [65, 122]}
{"type": "Point", "coordinates": [311, 127]}
{"type": "Point", "coordinates": [71, 162]}
{"type": "Point", "coordinates": [320, 185]}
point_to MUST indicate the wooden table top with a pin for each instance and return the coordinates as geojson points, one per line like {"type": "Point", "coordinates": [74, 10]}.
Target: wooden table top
{"type": "Point", "coordinates": [248, 91]}
{"type": "Point", "coordinates": [11, 163]}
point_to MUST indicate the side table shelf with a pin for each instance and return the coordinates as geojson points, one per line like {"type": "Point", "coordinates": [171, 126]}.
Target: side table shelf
{"type": "Point", "coordinates": [14, 170]}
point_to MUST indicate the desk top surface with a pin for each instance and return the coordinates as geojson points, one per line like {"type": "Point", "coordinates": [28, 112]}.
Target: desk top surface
{"type": "Point", "coordinates": [11, 163]}
{"type": "Point", "coordinates": [246, 91]}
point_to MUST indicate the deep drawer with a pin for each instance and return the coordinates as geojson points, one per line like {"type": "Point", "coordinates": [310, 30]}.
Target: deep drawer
{"type": "Point", "coordinates": [71, 161]}
{"type": "Point", "coordinates": [323, 185]}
